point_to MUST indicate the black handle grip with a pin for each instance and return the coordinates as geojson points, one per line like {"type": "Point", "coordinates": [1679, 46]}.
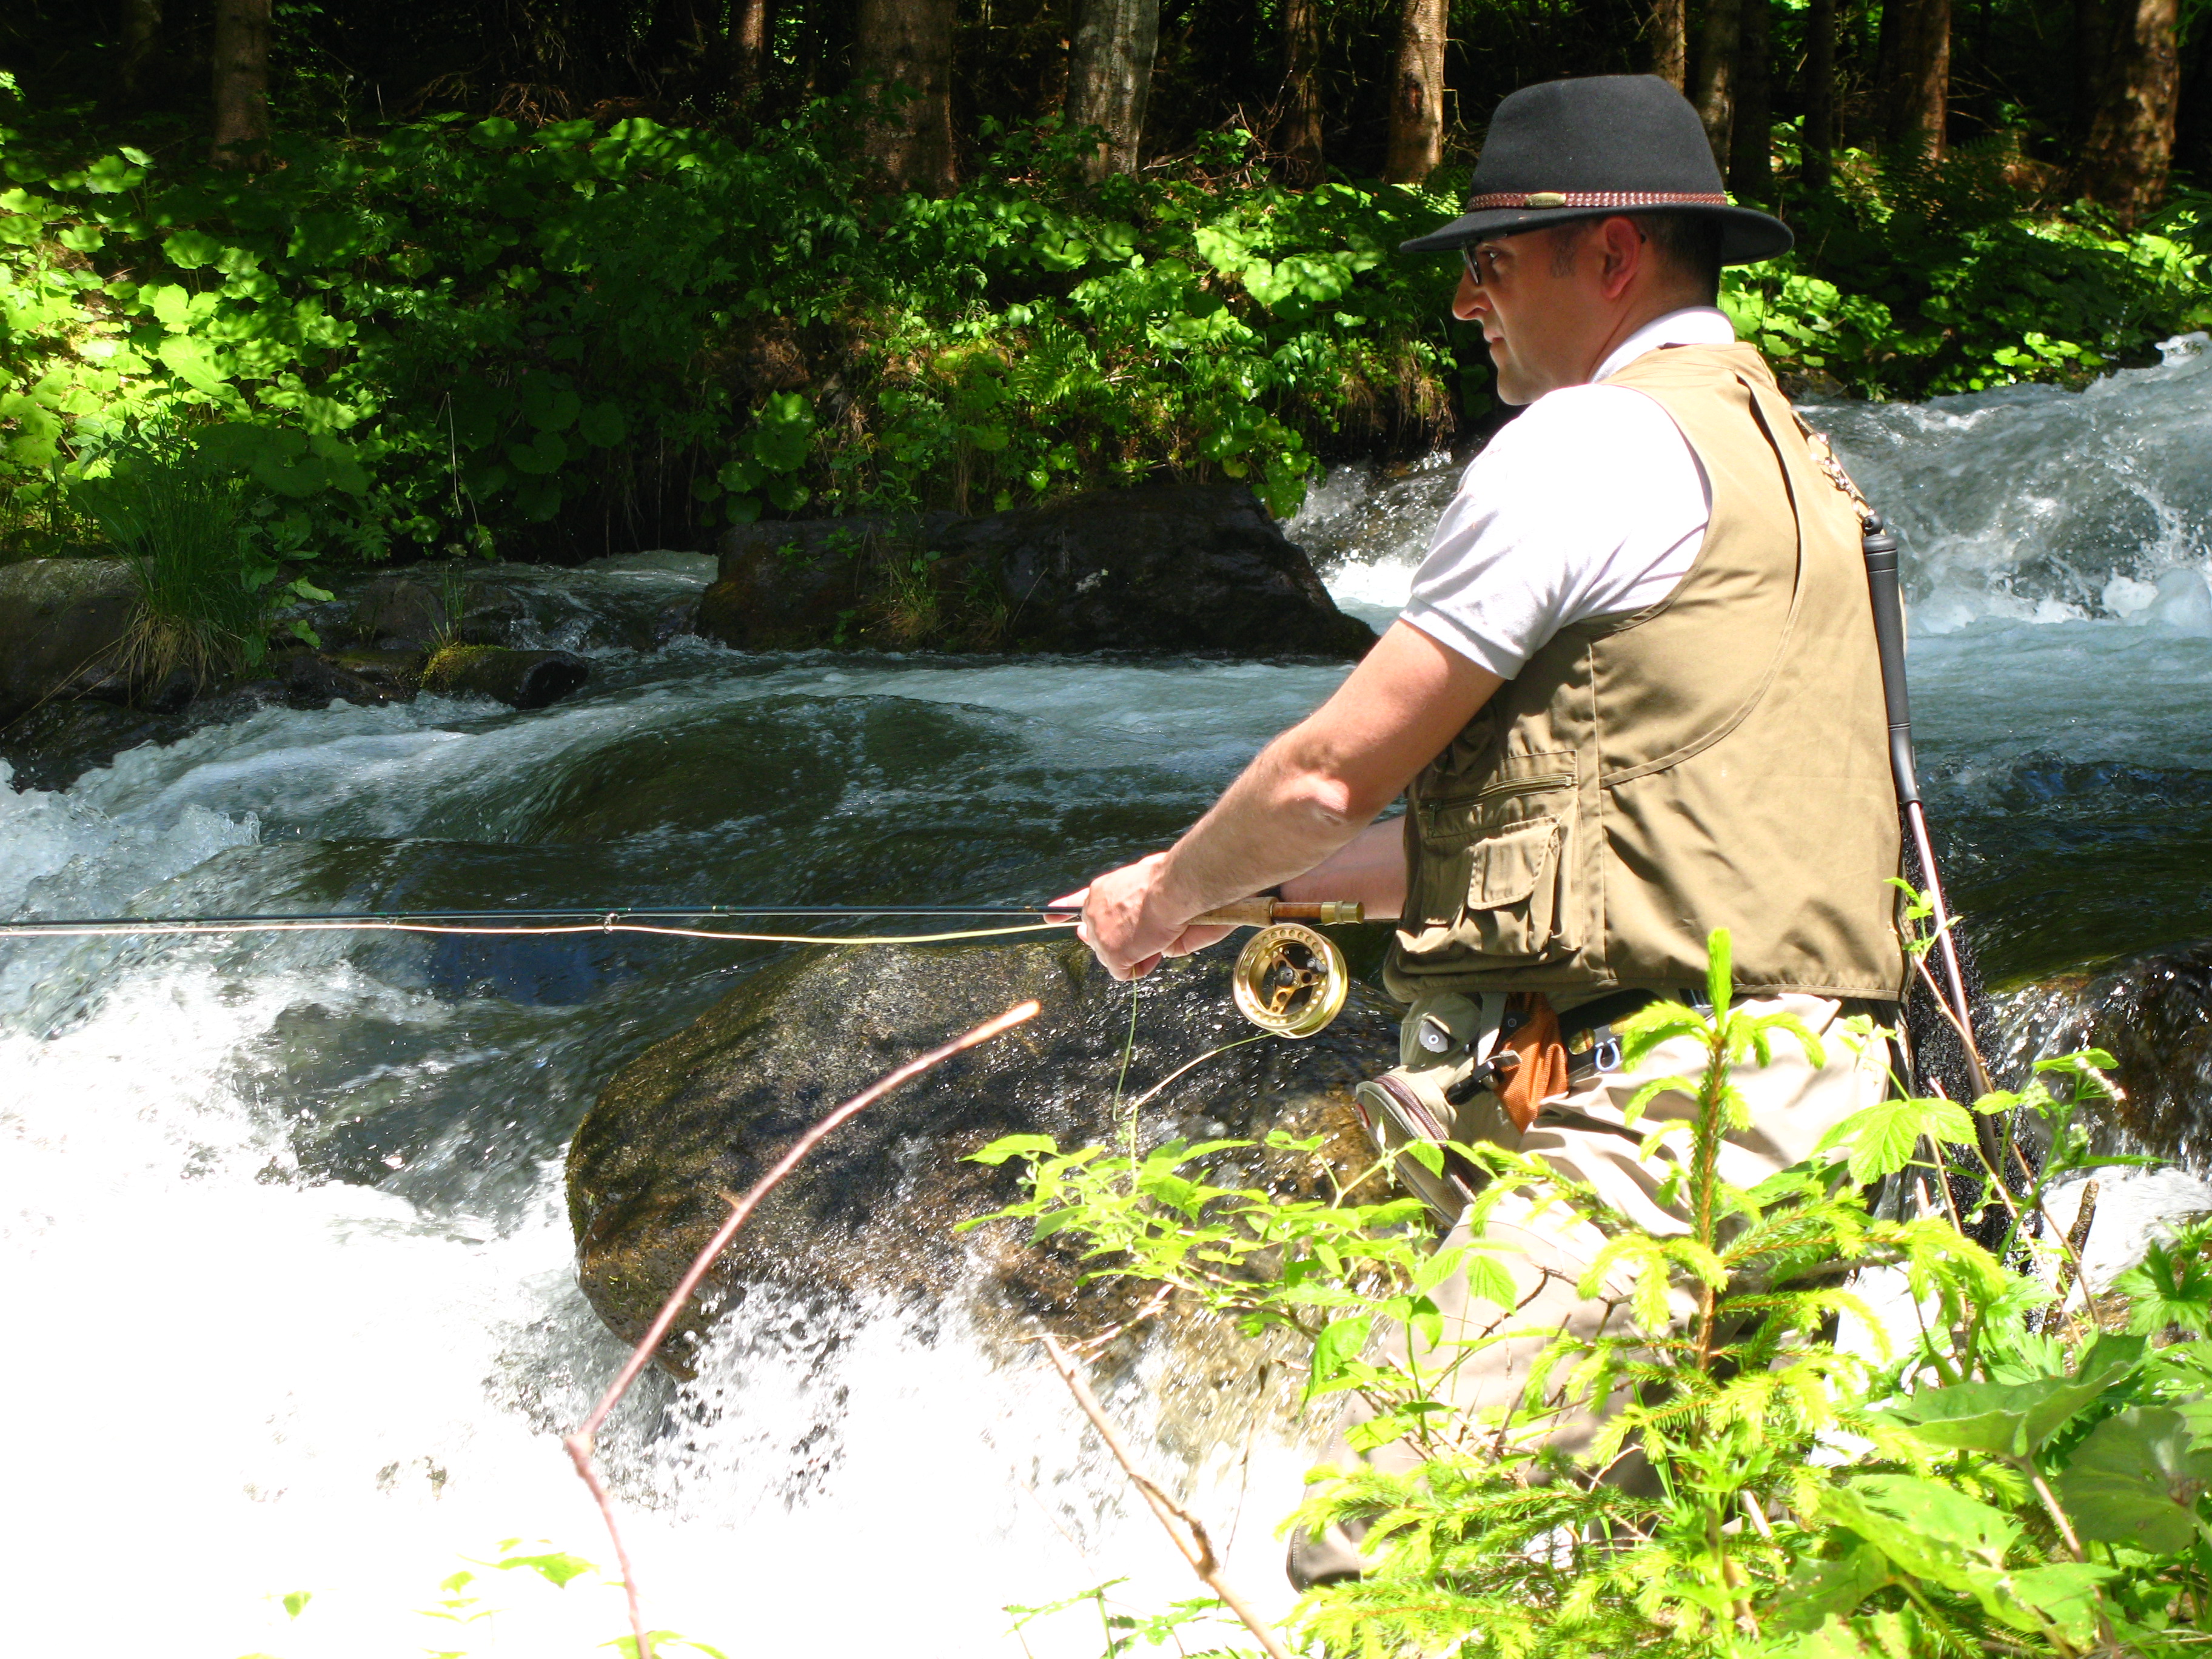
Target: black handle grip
{"type": "Point", "coordinates": [1878, 543]}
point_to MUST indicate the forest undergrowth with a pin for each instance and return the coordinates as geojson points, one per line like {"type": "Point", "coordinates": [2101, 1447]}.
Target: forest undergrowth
{"type": "Point", "coordinates": [454, 337]}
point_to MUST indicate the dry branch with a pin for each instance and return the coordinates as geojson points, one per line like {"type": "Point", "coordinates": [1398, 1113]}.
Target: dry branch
{"type": "Point", "coordinates": [1186, 1530]}
{"type": "Point", "coordinates": [579, 1443]}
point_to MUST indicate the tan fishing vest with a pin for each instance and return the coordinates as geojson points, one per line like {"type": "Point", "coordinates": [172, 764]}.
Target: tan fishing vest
{"type": "Point", "coordinates": [1717, 760]}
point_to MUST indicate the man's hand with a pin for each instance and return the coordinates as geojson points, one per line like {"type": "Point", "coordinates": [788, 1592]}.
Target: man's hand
{"type": "Point", "coordinates": [1129, 924]}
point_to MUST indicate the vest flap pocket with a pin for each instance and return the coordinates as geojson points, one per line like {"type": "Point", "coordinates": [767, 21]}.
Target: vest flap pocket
{"type": "Point", "coordinates": [1507, 868]}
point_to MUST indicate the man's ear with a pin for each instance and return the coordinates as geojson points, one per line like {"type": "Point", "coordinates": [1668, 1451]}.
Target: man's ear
{"type": "Point", "coordinates": [1626, 255]}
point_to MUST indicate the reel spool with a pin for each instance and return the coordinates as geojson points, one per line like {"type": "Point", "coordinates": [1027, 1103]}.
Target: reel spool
{"type": "Point", "coordinates": [1290, 980]}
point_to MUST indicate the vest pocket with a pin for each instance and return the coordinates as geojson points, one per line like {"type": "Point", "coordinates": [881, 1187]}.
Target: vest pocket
{"type": "Point", "coordinates": [1514, 904]}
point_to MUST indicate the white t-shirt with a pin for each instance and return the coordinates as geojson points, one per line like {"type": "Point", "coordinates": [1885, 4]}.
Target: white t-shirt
{"type": "Point", "coordinates": [1590, 504]}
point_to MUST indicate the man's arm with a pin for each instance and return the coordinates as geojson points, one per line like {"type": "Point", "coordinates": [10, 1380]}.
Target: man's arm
{"type": "Point", "coordinates": [1307, 794]}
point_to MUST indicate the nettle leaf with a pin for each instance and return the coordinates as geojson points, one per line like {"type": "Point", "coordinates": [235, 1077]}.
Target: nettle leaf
{"type": "Point", "coordinates": [2013, 1419]}
{"type": "Point", "coordinates": [2137, 1477]}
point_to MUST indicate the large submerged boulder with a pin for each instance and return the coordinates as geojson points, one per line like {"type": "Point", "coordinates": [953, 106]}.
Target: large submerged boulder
{"type": "Point", "coordinates": [1159, 568]}
{"type": "Point", "coordinates": [873, 1211]}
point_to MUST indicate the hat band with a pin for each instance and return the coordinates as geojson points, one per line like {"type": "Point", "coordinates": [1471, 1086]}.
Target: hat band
{"type": "Point", "coordinates": [1594, 199]}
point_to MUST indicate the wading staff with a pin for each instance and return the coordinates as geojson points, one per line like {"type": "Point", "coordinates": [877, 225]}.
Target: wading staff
{"type": "Point", "coordinates": [1879, 544]}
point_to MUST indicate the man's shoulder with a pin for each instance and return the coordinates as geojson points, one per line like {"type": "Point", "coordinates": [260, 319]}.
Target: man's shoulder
{"type": "Point", "coordinates": [1577, 420]}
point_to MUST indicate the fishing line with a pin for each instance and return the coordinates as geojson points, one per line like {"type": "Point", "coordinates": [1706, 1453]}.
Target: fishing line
{"type": "Point", "coordinates": [466, 923]}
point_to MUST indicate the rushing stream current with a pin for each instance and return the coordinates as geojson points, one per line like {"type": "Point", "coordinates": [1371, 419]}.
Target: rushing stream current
{"type": "Point", "coordinates": [288, 1279]}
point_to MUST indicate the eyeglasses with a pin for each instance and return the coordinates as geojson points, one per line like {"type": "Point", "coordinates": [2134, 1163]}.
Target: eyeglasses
{"type": "Point", "coordinates": [1482, 257]}
{"type": "Point", "coordinates": [1476, 258]}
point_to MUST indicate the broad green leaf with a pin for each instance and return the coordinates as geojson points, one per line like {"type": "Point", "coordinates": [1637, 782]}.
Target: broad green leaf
{"type": "Point", "coordinates": [549, 403]}
{"type": "Point", "coordinates": [1820, 1590]}
{"type": "Point", "coordinates": [2065, 1594]}
{"type": "Point", "coordinates": [783, 432]}
{"type": "Point", "coordinates": [2014, 1420]}
{"type": "Point", "coordinates": [1929, 1530]}
{"type": "Point", "coordinates": [603, 425]}
{"type": "Point", "coordinates": [1881, 1137]}
{"type": "Point", "coordinates": [1338, 1344]}
{"type": "Point", "coordinates": [1012, 1146]}
{"type": "Point", "coordinates": [188, 360]}
{"type": "Point", "coordinates": [2137, 1477]}
{"type": "Point", "coordinates": [189, 250]}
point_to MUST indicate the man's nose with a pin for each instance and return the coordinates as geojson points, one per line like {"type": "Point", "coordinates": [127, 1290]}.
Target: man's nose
{"type": "Point", "coordinates": [1470, 302]}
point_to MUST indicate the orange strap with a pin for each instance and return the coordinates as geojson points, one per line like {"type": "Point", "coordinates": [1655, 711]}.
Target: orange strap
{"type": "Point", "coordinates": [1529, 1066]}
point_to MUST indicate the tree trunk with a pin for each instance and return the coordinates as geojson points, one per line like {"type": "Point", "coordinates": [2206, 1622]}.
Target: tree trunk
{"type": "Point", "coordinates": [2130, 147]}
{"type": "Point", "coordinates": [2094, 28]}
{"type": "Point", "coordinates": [1110, 78]}
{"type": "Point", "coordinates": [908, 44]}
{"type": "Point", "coordinates": [141, 37]}
{"type": "Point", "coordinates": [1717, 43]}
{"type": "Point", "coordinates": [1298, 133]}
{"type": "Point", "coordinates": [1417, 94]}
{"type": "Point", "coordinates": [1751, 134]}
{"type": "Point", "coordinates": [241, 81]}
{"type": "Point", "coordinates": [751, 28]}
{"type": "Point", "coordinates": [1919, 95]}
{"type": "Point", "coordinates": [1669, 40]}
{"type": "Point", "coordinates": [1819, 166]}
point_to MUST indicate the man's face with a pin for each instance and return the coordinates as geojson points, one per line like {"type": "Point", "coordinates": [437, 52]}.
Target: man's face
{"type": "Point", "coordinates": [1538, 305]}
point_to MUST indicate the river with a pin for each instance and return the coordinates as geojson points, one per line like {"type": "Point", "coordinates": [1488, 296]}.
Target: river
{"type": "Point", "coordinates": [288, 1274]}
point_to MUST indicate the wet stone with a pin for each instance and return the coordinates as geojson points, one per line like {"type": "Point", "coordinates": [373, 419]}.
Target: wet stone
{"type": "Point", "coordinates": [874, 1209]}
{"type": "Point", "coordinates": [2152, 1012]}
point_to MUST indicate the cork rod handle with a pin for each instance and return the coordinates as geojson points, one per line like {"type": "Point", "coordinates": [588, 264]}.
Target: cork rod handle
{"type": "Point", "coordinates": [1259, 912]}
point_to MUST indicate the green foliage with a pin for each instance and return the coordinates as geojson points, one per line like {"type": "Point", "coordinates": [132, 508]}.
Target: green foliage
{"type": "Point", "coordinates": [1917, 283]}
{"type": "Point", "coordinates": [451, 329]}
{"type": "Point", "coordinates": [2009, 1481]}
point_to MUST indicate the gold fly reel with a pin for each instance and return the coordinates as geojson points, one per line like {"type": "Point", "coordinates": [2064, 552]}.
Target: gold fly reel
{"type": "Point", "coordinates": [1290, 980]}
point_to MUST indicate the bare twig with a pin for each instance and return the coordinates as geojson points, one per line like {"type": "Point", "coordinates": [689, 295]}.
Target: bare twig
{"type": "Point", "coordinates": [2077, 1238]}
{"type": "Point", "coordinates": [1187, 1531]}
{"type": "Point", "coordinates": [579, 1443]}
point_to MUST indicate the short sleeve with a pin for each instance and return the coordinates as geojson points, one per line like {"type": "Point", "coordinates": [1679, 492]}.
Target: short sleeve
{"type": "Point", "coordinates": [1590, 504]}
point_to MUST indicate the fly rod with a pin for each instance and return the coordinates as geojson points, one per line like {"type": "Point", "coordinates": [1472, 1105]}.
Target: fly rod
{"type": "Point", "coordinates": [1289, 979]}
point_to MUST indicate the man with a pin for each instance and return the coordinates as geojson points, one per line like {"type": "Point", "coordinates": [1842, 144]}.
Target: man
{"type": "Point", "coordinates": [1634, 697]}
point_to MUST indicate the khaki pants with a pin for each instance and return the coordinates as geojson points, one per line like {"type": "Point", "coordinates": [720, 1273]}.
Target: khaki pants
{"type": "Point", "coordinates": [1583, 1135]}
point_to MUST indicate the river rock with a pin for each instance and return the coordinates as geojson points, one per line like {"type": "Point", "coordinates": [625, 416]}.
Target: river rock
{"type": "Point", "coordinates": [521, 679]}
{"type": "Point", "coordinates": [1161, 568]}
{"type": "Point", "coordinates": [874, 1209]}
{"type": "Point", "coordinates": [2153, 1013]}
{"type": "Point", "coordinates": [62, 621]}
